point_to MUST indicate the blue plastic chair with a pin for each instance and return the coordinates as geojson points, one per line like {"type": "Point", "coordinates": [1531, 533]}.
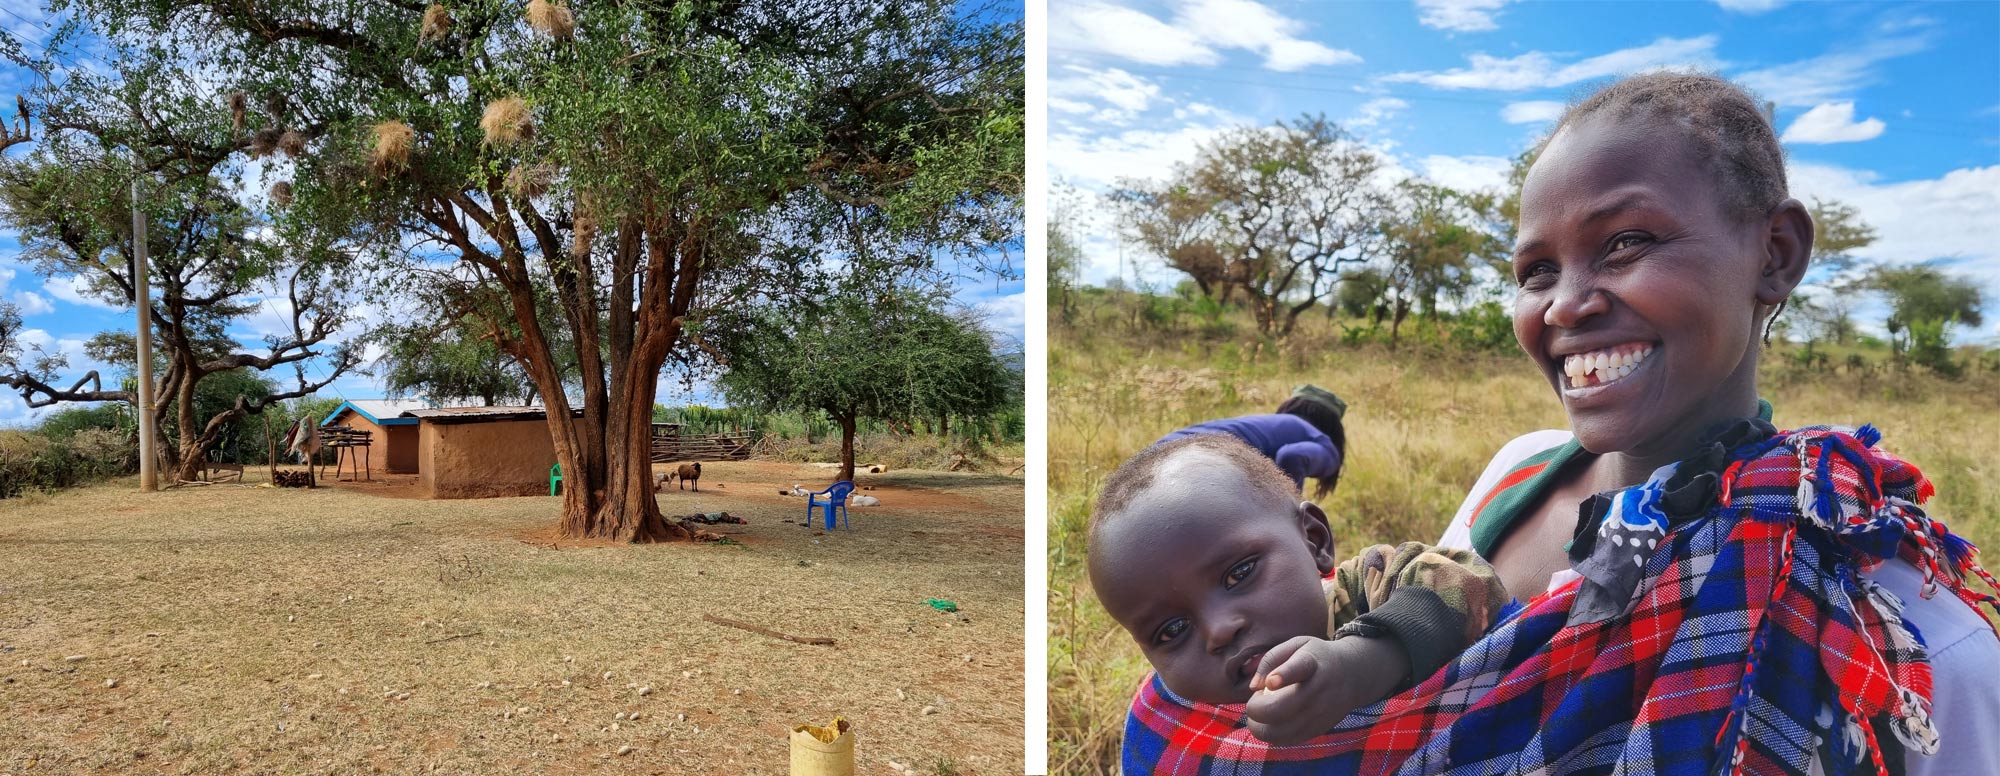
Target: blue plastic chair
{"type": "Point", "coordinates": [836, 497]}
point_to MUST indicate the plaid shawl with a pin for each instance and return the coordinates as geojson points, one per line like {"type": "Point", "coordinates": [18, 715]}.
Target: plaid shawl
{"type": "Point", "coordinates": [1742, 641]}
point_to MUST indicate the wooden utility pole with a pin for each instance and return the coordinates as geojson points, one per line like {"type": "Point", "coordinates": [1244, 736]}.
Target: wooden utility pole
{"type": "Point", "coordinates": [149, 477]}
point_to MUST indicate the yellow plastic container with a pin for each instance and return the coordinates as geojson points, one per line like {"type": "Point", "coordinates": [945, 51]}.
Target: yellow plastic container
{"type": "Point", "coordinates": [823, 751]}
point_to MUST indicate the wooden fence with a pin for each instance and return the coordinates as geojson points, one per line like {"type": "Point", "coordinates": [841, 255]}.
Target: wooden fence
{"type": "Point", "coordinates": [703, 447]}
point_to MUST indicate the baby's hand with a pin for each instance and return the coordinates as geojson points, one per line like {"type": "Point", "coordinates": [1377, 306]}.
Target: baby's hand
{"type": "Point", "coordinates": [1305, 685]}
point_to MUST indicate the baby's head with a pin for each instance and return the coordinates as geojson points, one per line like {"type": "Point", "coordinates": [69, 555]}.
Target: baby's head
{"type": "Point", "coordinates": [1656, 238]}
{"type": "Point", "coordinates": [1200, 548]}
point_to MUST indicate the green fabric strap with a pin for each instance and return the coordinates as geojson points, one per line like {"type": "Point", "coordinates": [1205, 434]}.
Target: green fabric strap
{"type": "Point", "coordinates": [1512, 504]}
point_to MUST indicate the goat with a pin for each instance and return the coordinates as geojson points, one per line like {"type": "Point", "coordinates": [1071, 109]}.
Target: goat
{"type": "Point", "coordinates": [662, 480]}
{"type": "Point", "coordinates": [690, 473]}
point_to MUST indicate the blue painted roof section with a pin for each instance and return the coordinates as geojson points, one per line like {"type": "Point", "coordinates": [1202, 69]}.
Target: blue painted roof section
{"type": "Point", "coordinates": [348, 405]}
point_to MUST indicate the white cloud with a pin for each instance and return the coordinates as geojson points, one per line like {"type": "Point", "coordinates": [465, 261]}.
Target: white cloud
{"type": "Point", "coordinates": [1377, 110]}
{"type": "Point", "coordinates": [1828, 77]}
{"type": "Point", "coordinates": [1125, 33]}
{"type": "Point", "coordinates": [1539, 70]}
{"type": "Point", "coordinates": [1531, 112]}
{"type": "Point", "coordinates": [1006, 316]}
{"type": "Point", "coordinates": [75, 290]}
{"type": "Point", "coordinates": [1467, 173]}
{"type": "Point", "coordinates": [1749, 6]}
{"type": "Point", "coordinates": [1125, 94]}
{"type": "Point", "coordinates": [1198, 32]}
{"type": "Point", "coordinates": [1917, 220]}
{"type": "Point", "coordinates": [1097, 161]}
{"type": "Point", "coordinates": [32, 304]}
{"type": "Point", "coordinates": [1832, 122]}
{"type": "Point", "coordinates": [1459, 15]}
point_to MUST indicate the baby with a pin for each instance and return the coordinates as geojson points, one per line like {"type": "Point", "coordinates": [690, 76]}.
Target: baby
{"type": "Point", "coordinates": [1201, 549]}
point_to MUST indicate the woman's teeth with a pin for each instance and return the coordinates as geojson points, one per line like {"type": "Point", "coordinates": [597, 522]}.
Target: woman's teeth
{"type": "Point", "coordinates": [1599, 367]}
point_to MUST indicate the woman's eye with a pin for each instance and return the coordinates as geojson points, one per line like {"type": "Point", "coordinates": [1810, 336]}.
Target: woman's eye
{"type": "Point", "coordinates": [1623, 241]}
{"type": "Point", "coordinates": [1239, 573]}
{"type": "Point", "coordinates": [1540, 269]}
{"type": "Point", "coordinates": [1170, 631]}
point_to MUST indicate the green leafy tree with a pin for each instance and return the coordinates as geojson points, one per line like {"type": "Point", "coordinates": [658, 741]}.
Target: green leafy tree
{"type": "Point", "coordinates": [447, 364]}
{"type": "Point", "coordinates": [1272, 212]}
{"type": "Point", "coordinates": [1924, 302]}
{"type": "Point", "coordinates": [209, 266]}
{"type": "Point", "coordinates": [624, 169]}
{"type": "Point", "coordinates": [891, 355]}
{"type": "Point", "coordinates": [1435, 244]}
{"type": "Point", "coordinates": [1838, 232]}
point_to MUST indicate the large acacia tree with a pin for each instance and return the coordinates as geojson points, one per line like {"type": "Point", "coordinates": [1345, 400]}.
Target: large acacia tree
{"type": "Point", "coordinates": [209, 268]}
{"type": "Point", "coordinates": [628, 166]}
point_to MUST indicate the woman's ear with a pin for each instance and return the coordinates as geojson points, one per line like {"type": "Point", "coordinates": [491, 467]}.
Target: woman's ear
{"type": "Point", "coordinates": [1319, 535]}
{"type": "Point", "coordinates": [1788, 242]}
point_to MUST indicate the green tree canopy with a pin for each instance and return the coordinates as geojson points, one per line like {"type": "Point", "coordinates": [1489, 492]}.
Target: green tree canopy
{"type": "Point", "coordinates": [892, 354]}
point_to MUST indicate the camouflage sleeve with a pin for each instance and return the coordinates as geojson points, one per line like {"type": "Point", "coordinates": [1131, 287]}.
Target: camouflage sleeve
{"type": "Point", "coordinates": [1436, 600]}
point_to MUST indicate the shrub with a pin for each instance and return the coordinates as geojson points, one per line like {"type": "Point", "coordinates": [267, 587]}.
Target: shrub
{"type": "Point", "coordinates": [36, 461]}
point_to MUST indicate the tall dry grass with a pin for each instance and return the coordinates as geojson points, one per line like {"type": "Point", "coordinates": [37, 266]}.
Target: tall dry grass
{"type": "Point", "coordinates": [1422, 423]}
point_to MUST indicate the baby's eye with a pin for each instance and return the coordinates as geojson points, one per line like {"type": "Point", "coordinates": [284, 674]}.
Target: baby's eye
{"type": "Point", "coordinates": [1239, 573]}
{"type": "Point", "coordinates": [1623, 241]}
{"type": "Point", "coordinates": [1170, 631]}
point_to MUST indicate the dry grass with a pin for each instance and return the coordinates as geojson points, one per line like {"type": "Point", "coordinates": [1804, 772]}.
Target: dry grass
{"type": "Point", "coordinates": [506, 122]}
{"type": "Point", "coordinates": [1422, 425]}
{"type": "Point", "coordinates": [555, 21]}
{"type": "Point", "coordinates": [394, 142]}
{"type": "Point", "coordinates": [232, 618]}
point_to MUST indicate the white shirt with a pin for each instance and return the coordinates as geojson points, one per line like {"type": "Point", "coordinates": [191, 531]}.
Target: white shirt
{"type": "Point", "coordinates": [1965, 656]}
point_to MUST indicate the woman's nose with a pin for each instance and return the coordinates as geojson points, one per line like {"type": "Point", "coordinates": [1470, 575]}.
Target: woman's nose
{"type": "Point", "coordinates": [1576, 299]}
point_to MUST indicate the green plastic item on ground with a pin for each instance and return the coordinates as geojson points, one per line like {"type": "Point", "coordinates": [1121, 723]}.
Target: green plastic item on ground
{"type": "Point", "coordinates": [942, 605]}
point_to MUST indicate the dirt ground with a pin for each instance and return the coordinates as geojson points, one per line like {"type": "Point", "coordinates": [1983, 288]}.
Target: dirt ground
{"type": "Point", "coordinates": [344, 630]}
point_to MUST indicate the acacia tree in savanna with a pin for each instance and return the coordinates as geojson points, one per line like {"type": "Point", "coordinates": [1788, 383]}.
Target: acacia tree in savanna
{"type": "Point", "coordinates": [1274, 212]}
{"type": "Point", "coordinates": [893, 353]}
{"type": "Point", "coordinates": [627, 167]}
{"type": "Point", "coordinates": [213, 262]}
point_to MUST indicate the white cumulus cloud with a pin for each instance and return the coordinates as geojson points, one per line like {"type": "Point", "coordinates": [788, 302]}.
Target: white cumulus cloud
{"type": "Point", "coordinates": [75, 290]}
{"type": "Point", "coordinates": [1197, 34]}
{"type": "Point", "coordinates": [1111, 95]}
{"type": "Point", "coordinates": [1468, 173]}
{"type": "Point", "coordinates": [1459, 15]}
{"type": "Point", "coordinates": [1832, 122]}
{"type": "Point", "coordinates": [1376, 111]}
{"type": "Point", "coordinates": [1531, 112]}
{"type": "Point", "coordinates": [1539, 70]}
{"type": "Point", "coordinates": [32, 304]}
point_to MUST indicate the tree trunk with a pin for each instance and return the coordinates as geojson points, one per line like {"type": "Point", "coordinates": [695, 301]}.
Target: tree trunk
{"type": "Point", "coordinates": [944, 426]}
{"type": "Point", "coordinates": [847, 447]}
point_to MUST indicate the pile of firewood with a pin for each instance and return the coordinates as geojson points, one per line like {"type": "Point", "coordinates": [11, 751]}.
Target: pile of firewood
{"type": "Point", "coordinates": [292, 479]}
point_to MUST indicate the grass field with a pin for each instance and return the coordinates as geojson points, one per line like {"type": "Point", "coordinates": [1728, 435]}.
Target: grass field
{"type": "Point", "coordinates": [342, 630]}
{"type": "Point", "coordinates": [1422, 423]}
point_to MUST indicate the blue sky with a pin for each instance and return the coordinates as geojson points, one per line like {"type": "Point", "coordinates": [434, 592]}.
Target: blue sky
{"type": "Point", "coordinates": [60, 319]}
{"type": "Point", "coordinates": [1893, 108]}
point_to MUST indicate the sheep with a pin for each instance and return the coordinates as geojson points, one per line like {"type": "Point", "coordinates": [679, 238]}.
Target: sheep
{"type": "Point", "coordinates": [864, 501]}
{"type": "Point", "coordinates": [690, 473]}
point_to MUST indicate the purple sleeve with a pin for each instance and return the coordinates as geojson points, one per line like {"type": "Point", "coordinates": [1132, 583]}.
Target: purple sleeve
{"type": "Point", "coordinates": [1307, 459]}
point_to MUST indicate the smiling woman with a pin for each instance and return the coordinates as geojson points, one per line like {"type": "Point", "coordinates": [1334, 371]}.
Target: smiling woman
{"type": "Point", "coordinates": [1701, 591]}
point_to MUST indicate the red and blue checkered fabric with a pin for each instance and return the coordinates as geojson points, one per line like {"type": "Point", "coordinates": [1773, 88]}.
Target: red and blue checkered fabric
{"type": "Point", "coordinates": [1750, 645]}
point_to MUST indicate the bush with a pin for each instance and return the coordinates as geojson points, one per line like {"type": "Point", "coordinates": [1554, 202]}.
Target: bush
{"type": "Point", "coordinates": [36, 461]}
